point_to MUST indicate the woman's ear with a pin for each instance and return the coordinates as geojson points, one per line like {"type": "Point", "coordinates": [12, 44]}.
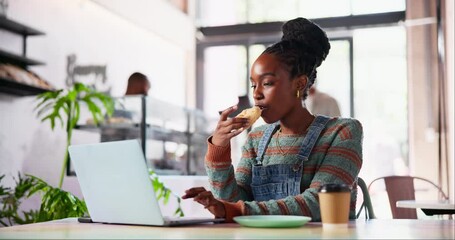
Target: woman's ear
{"type": "Point", "coordinates": [302, 82]}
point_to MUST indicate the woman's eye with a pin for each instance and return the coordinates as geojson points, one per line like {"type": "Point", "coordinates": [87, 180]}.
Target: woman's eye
{"type": "Point", "coordinates": [267, 84]}
{"type": "Point", "coordinates": [253, 86]}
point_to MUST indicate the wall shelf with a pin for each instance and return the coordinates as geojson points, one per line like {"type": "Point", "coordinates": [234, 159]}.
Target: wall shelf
{"type": "Point", "coordinates": [16, 88]}
{"type": "Point", "coordinates": [11, 86]}
{"type": "Point", "coordinates": [18, 28]}
{"type": "Point", "coordinates": [17, 60]}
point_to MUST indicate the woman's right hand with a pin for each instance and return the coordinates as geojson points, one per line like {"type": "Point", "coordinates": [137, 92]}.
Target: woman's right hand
{"type": "Point", "coordinates": [206, 198]}
{"type": "Point", "coordinates": [228, 128]}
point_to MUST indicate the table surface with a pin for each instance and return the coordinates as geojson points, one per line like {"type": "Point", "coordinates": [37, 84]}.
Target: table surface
{"type": "Point", "coordinates": [444, 205]}
{"type": "Point", "coordinates": [361, 229]}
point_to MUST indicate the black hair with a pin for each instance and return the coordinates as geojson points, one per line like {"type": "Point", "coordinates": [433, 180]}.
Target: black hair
{"type": "Point", "coordinates": [302, 48]}
{"type": "Point", "coordinates": [137, 75]}
{"type": "Point", "coordinates": [137, 84]}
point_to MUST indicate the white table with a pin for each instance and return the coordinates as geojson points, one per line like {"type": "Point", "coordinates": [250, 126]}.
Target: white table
{"type": "Point", "coordinates": [360, 229]}
{"type": "Point", "coordinates": [430, 208]}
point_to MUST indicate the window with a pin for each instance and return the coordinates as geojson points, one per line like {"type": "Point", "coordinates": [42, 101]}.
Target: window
{"type": "Point", "coordinates": [225, 66]}
{"type": "Point", "coordinates": [365, 72]}
{"type": "Point", "coordinates": [380, 97]}
{"type": "Point", "coordinates": [218, 13]}
{"type": "Point", "coordinates": [334, 75]}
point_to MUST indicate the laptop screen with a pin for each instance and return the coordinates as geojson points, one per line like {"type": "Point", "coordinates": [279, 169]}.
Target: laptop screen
{"type": "Point", "coordinates": [115, 182]}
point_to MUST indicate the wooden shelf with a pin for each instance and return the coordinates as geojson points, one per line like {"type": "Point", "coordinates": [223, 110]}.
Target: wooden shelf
{"type": "Point", "coordinates": [18, 28]}
{"type": "Point", "coordinates": [12, 87]}
{"type": "Point", "coordinates": [14, 59]}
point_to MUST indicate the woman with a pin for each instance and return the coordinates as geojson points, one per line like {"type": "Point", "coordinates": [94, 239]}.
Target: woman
{"type": "Point", "coordinates": [285, 161]}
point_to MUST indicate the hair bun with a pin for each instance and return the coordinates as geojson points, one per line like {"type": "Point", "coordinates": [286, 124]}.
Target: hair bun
{"type": "Point", "coordinates": [307, 33]}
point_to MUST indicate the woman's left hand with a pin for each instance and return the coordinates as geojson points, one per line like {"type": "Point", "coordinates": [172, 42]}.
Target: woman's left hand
{"type": "Point", "coordinates": [206, 198]}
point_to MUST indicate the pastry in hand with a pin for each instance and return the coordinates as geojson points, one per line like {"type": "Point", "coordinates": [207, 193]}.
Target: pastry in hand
{"type": "Point", "coordinates": [252, 114]}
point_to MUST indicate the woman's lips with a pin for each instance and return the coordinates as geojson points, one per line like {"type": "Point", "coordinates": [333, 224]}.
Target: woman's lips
{"type": "Point", "coordinates": [263, 108]}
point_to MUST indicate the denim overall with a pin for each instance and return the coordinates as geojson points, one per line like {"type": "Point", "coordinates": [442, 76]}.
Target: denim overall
{"type": "Point", "coordinates": [282, 180]}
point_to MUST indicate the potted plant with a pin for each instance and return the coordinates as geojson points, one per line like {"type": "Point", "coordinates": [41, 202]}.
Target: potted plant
{"type": "Point", "coordinates": [64, 106]}
{"type": "Point", "coordinates": [55, 203]}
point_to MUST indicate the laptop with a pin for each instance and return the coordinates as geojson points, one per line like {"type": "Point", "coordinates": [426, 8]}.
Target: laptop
{"type": "Point", "coordinates": [116, 185]}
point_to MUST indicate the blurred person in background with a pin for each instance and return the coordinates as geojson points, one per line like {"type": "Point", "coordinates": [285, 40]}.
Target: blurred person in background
{"type": "Point", "coordinates": [320, 103]}
{"type": "Point", "coordinates": [138, 84]}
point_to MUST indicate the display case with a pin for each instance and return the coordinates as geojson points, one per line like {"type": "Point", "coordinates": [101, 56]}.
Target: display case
{"type": "Point", "coordinates": [173, 138]}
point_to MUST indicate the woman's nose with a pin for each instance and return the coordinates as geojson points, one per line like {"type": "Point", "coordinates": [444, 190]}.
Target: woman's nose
{"type": "Point", "coordinates": [257, 93]}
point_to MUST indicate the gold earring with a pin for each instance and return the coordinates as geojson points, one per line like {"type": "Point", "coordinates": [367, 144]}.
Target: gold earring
{"type": "Point", "coordinates": [298, 94]}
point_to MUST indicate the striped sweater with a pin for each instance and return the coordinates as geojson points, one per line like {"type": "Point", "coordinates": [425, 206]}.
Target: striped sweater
{"type": "Point", "coordinates": [335, 158]}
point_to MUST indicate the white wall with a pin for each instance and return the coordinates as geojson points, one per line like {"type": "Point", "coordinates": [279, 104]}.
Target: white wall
{"type": "Point", "coordinates": [147, 36]}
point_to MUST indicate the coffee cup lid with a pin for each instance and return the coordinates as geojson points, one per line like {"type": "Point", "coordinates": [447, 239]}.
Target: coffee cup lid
{"type": "Point", "coordinates": [333, 187]}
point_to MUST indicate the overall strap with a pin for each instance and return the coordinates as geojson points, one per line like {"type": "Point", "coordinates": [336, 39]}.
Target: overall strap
{"type": "Point", "coordinates": [312, 136]}
{"type": "Point", "coordinates": [265, 141]}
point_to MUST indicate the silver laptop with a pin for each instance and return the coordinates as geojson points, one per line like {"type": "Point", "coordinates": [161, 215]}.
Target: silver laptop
{"type": "Point", "coordinates": [116, 185]}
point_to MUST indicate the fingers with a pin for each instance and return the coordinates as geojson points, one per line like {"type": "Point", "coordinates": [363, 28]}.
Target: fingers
{"type": "Point", "coordinates": [232, 124]}
{"type": "Point", "coordinates": [200, 195]}
{"type": "Point", "coordinates": [204, 198]}
{"type": "Point", "coordinates": [235, 132]}
{"type": "Point", "coordinates": [227, 128]}
{"type": "Point", "coordinates": [225, 113]}
{"type": "Point", "coordinates": [193, 192]}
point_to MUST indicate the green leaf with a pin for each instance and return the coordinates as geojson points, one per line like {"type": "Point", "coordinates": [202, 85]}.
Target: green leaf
{"type": "Point", "coordinates": [80, 87]}
{"type": "Point", "coordinates": [76, 115]}
{"type": "Point", "coordinates": [106, 100]}
{"type": "Point", "coordinates": [45, 108]}
{"type": "Point", "coordinates": [61, 120]}
{"type": "Point", "coordinates": [72, 95]}
{"type": "Point", "coordinates": [49, 94]}
{"type": "Point", "coordinates": [66, 108]}
{"type": "Point", "coordinates": [94, 110]}
{"type": "Point", "coordinates": [167, 193]}
{"type": "Point", "coordinates": [163, 193]}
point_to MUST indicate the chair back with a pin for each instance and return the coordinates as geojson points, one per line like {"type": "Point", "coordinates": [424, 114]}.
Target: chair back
{"type": "Point", "coordinates": [369, 213]}
{"type": "Point", "coordinates": [402, 188]}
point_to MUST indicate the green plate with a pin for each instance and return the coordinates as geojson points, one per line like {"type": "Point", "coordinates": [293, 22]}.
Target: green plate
{"type": "Point", "coordinates": [272, 221]}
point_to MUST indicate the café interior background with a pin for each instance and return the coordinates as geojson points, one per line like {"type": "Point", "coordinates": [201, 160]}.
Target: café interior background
{"type": "Point", "coordinates": [385, 75]}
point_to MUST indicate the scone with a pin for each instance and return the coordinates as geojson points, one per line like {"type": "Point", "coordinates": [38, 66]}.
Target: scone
{"type": "Point", "coordinates": [252, 114]}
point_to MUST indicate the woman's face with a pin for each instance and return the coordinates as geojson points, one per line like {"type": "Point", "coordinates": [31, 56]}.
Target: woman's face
{"type": "Point", "coordinates": [273, 91]}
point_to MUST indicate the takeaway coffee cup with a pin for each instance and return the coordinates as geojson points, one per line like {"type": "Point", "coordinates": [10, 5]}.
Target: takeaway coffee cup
{"type": "Point", "coordinates": [334, 201]}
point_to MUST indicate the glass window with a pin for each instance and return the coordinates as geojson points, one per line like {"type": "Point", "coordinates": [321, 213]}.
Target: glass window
{"type": "Point", "coordinates": [224, 77]}
{"type": "Point", "coordinates": [333, 77]}
{"type": "Point", "coordinates": [374, 6]}
{"type": "Point", "coordinates": [271, 10]}
{"type": "Point", "coordinates": [319, 9]}
{"type": "Point", "coordinates": [218, 13]}
{"type": "Point", "coordinates": [379, 76]}
{"type": "Point", "coordinates": [380, 90]}
{"type": "Point", "coordinates": [380, 97]}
